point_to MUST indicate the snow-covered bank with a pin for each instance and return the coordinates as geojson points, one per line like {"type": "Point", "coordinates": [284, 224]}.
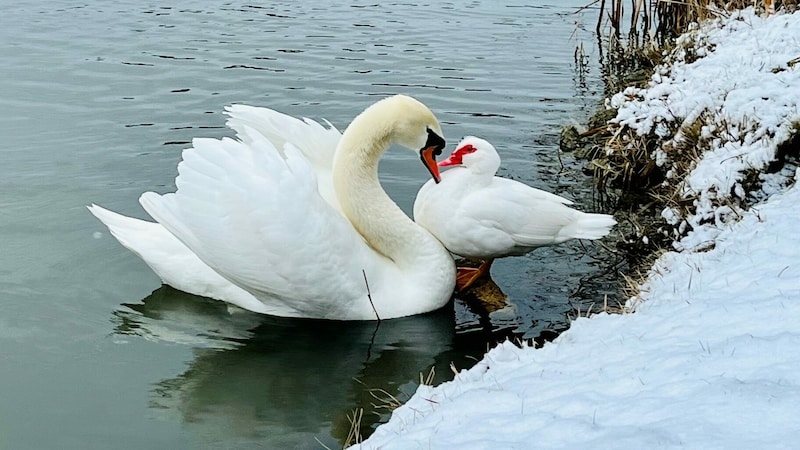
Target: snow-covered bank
{"type": "Point", "coordinates": [737, 80]}
{"type": "Point", "coordinates": [711, 358]}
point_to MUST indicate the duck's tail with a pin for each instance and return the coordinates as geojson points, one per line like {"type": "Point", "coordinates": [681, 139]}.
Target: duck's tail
{"type": "Point", "coordinates": [589, 226]}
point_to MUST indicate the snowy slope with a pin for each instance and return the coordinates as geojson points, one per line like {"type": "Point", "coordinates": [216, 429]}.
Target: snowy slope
{"type": "Point", "coordinates": [744, 89]}
{"type": "Point", "coordinates": [710, 359]}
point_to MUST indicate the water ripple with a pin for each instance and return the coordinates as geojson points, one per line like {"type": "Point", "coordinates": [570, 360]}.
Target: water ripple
{"type": "Point", "coordinates": [99, 99]}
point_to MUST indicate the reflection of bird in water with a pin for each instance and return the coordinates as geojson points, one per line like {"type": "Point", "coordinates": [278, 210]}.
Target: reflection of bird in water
{"type": "Point", "coordinates": [485, 297]}
{"type": "Point", "coordinates": [494, 316]}
{"type": "Point", "coordinates": [174, 316]}
{"type": "Point", "coordinates": [283, 382]}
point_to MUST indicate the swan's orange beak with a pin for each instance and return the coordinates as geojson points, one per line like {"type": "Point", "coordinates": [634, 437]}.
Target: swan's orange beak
{"type": "Point", "coordinates": [428, 157]}
{"type": "Point", "coordinates": [433, 148]}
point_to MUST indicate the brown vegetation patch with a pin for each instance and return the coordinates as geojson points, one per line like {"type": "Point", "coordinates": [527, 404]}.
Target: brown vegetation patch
{"type": "Point", "coordinates": [642, 175]}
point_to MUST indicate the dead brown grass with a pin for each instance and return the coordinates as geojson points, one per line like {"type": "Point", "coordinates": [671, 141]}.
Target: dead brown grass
{"type": "Point", "coordinates": [605, 307]}
{"type": "Point", "coordinates": [624, 162]}
{"type": "Point", "coordinates": [382, 401]}
{"type": "Point", "coordinates": [666, 19]}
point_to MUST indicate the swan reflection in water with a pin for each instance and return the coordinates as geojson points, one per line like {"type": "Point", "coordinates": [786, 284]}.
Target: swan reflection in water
{"type": "Point", "coordinates": [286, 382]}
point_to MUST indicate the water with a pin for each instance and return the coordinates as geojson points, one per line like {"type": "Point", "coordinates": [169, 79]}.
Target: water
{"type": "Point", "coordinates": [99, 98]}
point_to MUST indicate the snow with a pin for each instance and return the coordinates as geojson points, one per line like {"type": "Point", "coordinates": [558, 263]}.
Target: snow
{"type": "Point", "coordinates": [711, 356]}
{"type": "Point", "coordinates": [743, 90]}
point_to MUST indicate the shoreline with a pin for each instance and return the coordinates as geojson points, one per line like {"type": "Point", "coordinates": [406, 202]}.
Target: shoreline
{"type": "Point", "coordinates": [642, 162]}
{"type": "Point", "coordinates": [708, 357]}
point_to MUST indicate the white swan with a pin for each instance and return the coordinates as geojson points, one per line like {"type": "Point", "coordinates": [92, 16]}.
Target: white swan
{"type": "Point", "coordinates": [480, 216]}
{"type": "Point", "coordinates": [291, 219]}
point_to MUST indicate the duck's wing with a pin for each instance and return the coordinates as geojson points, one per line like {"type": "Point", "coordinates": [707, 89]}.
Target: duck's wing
{"type": "Point", "coordinates": [530, 217]}
{"type": "Point", "coordinates": [316, 142]}
{"type": "Point", "coordinates": [255, 215]}
{"type": "Point", "coordinates": [549, 219]}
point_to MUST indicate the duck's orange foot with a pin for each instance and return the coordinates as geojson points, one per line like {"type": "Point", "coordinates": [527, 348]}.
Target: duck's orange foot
{"type": "Point", "coordinates": [467, 276]}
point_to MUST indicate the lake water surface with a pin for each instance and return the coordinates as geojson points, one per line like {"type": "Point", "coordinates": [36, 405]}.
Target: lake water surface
{"type": "Point", "coordinates": [98, 99]}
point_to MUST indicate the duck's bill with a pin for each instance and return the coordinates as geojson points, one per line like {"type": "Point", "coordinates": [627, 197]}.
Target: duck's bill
{"type": "Point", "coordinates": [428, 157]}
{"type": "Point", "coordinates": [451, 161]}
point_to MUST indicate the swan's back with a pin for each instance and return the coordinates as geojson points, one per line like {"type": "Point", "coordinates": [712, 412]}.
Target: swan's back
{"type": "Point", "coordinates": [316, 142]}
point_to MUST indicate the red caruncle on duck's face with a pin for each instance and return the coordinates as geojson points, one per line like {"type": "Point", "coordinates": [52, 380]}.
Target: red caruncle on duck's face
{"type": "Point", "coordinates": [456, 157]}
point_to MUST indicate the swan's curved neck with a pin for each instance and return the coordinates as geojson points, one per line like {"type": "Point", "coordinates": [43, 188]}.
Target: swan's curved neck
{"type": "Point", "coordinates": [362, 199]}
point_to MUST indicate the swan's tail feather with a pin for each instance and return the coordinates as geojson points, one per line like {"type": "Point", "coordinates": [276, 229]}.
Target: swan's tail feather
{"type": "Point", "coordinates": [148, 240]}
{"type": "Point", "coordinates": [588, 226]}
{"type": "Point", "coordinates": [172, 261]}
{"type": "Point", "coordinates": [161, 208]}
{"type": "Point", "coordinates": [130, 232]}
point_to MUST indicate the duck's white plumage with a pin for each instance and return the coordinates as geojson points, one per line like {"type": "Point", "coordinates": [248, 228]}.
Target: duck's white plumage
{"type": "Point", "coordinates": [262, 213]}
{"type": "Point", "coordinates": [478, 215]}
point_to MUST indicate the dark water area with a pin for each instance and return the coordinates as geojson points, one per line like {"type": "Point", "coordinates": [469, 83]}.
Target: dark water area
{"type": "Point", "coordinates": [99, 98]}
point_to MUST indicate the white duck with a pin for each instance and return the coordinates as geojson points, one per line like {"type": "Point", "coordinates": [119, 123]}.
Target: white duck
{"type": "Point", "coordinates": [477, 215]}
{"type": "Point", "coordinates": [291, 219]}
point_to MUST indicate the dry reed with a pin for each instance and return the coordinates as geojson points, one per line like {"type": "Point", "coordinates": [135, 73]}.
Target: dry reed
{"type": "Point", "coordinates": [638, 36]}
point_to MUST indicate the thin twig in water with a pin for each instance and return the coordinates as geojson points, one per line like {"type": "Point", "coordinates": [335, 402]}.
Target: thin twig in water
{"type": "Point", "coordinates": [600, 18]}
{"type": "Point", "coordinates": [585, 7]}
{"type": "Point", "coordinates": [369, 295]}
{"type": "Point", "coordinates": [428, 381]}
{"type": "Point", "coordinates": [386, 400]}
{"type": "Point", "coordinates": [321, 443]}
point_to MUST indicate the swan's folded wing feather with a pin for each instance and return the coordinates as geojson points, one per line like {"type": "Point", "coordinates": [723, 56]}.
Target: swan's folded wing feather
{"type": "Point", "coordinates": [255, 216]}
{"type": "Point", "coordinates": [316, 142]}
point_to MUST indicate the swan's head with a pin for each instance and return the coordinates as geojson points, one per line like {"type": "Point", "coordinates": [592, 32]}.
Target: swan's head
{"type": "Point", "coordinates": [407, 122]}
{"type": "Point", "coordinates": [476, 154]}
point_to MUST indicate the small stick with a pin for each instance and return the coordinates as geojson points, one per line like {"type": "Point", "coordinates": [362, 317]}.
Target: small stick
{"type": "Point", "coordinates": [369, 295]}
{"type": "Point", "coordinates": [600, 18]}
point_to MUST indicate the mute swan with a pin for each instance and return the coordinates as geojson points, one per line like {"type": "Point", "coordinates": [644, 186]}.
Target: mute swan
{"type": "Point", "coordinates": [480, 216]}
{"type": "Point", "coordinates": [291, 220]}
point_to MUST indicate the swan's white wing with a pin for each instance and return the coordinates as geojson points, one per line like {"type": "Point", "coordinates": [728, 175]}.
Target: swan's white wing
{"type": "Point", "coordinates": [173, 262]}
{"type": "Point", "coordinates": [315, 142]}
{"type": "Point", "coordinates": [255, 216]}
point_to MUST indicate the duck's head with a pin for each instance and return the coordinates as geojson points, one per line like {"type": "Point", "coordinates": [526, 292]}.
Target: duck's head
{"type": "Point", "coordinates": [476, 154]}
